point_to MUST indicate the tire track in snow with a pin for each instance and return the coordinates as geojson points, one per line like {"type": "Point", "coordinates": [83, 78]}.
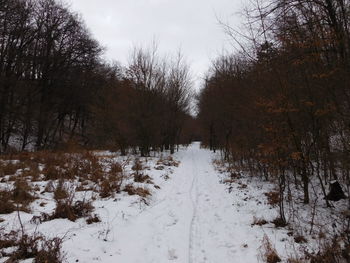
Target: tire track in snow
{"type": "Point", "coordinates": [194, 199]}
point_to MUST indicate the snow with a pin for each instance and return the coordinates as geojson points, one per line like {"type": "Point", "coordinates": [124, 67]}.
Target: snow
{"type": "Point", "coordinates": [192, 218]}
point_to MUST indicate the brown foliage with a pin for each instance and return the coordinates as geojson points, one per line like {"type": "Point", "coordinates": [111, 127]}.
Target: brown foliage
{"type": "Point", "coordinates": [71, 210]}
{"type": "Point", "coordinates": [6, 205]}
{"type": "Point", "coordinates": [259, 221]}
{"type": "Point", "coordinates": [269, 252]}
{"type": "Point", "coordinates": [37, 247]}
{"type": "Point", "coordinates": [93, 219]}
{"type": "Point", "coordinates": [279, 222]}
{"type": "Point", "coordinates": [142, 192]}
{"type": "Point", "coordinates": [273, 198]}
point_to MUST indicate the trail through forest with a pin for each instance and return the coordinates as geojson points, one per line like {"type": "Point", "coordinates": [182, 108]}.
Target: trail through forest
{"type": "Point", "coordinates": [192, 220]}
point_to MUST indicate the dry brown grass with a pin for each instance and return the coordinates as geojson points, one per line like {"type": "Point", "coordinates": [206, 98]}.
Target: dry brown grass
{"type": "Point", "coordinates": [109, 187]}
{"type": "Point", "coordinates": [116, 168]}
{"type": "Point", "coordinates": [57, 165]}
{"type": "Point", "coordinates": [330, 252]}
{"type": "Point", "coordinates": [137, 165]}
{"type": "Point", "coordinates": [6, 205]}
{"type": "Point", "coordinates": [17, 198]}
{"type": "Point", "coordinates": [279, 222]}
{"type": "Point", "coordinates": [242, 186]}
{"type": "Point", "coordinates": [21, 193]}
{"type": "Point", "coordinates": [36, 247]}
{"type": "Point", "coordinates": [259, 221]}
{"type": "Point", "coordinates": [72, 210]}
{"type": "Point", "coordinates": [142, 178]}
{"type": "Point", "coordinates": [142, 192]}
{"type": "Point", "coordinates": [93, 219]}
{"type": "Point", "coordinates": [61, 191]}
{"type": "Point", "coordinates": [273, 198]}
{"type": "Point", "coordinates": [9, 167]}
{"type": "Point", "coordinates": [112, 181]}
{"type": "Point", "coordinates": [269, 253]}
{"type": "Point", "coordinates": [168, 161]}
{"type": "Point", "coordinates": [50, 187]}
{"type": "Point", "coordinates": [300, 239]}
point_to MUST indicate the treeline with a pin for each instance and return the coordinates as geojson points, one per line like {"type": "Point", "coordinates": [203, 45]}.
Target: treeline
{"type": "Point", "coordinates": [282, 110]}
{"type": "Point", "coordinates": [55, 88]}
{"type": "Point", "coordinates": [147, 107]}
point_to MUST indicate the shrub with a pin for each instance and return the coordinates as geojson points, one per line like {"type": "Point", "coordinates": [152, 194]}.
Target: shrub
{"type": "Point", "coordinates": [137, 166]}
{"type": "Point", "coordinates": [329, 252]}
{"type": "Point", "coordinates": [72, 210]}
{"type": "Point", "coordinates": [141, 178]}
{"type": "Point", "coordinates": [9, 167]}
{"type": "Point", "coordinates": [21, 192]}
{"type": "Point", "coordinates": [108, 188]}
{"type": "Point", "coordinates": [50, 251]}
{"type": "Point", "coordinates": [36, 247]}
{"type": "Point", "coordinates": [111, 183]}
{"type": "Point", "coordinates": [52, 172]}
{"type": "Point", "coordinates": [116, 168]}
{"type": "Point", "coordinates": [61, 191]}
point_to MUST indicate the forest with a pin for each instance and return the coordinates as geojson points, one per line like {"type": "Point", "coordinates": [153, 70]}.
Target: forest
{"type": "Point", "coordinates": [55, 87]}
{"type": "Point", "coordinates": [282, 109]}
{"type": "Point", "coordinates": [272, 117]}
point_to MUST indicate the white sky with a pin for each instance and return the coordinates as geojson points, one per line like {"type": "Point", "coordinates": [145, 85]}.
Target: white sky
{"type": "Point", "coordinates": [189, 25]}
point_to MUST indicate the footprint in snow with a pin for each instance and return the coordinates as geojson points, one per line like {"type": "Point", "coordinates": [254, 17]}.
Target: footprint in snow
{"type": "Point", "coordinates": [172, 254]}
{"type": "Point", "coordinates": [174, 222]}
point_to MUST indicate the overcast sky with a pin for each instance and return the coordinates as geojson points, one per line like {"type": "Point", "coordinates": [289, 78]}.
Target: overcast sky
{"type": "Point", "coordinates": [189, 25]}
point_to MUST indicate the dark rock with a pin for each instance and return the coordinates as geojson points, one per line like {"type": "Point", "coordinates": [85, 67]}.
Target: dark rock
{"type": "Point", "coordinates": [335, 192]}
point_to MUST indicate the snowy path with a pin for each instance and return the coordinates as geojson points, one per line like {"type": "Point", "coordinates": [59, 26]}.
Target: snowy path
{"type": "Point", "coordinates": [191, 219]}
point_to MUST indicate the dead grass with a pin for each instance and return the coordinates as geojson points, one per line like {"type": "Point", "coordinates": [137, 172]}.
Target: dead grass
{"type": "Point", "coordinates": [273, 198]}
{"type": "Point", "coordinates": [9, 168]}
{"type": "Point", "coordinates": [259, 221]}
{"type": "Point", "coordinates": [116, 168]}
{"type": "Point", "coordinates": [109, 187]}
{"type": "Point", "coordinates": [17, 198]}
{"type": "Point", "coordinates": [168, 161]}
{"type": "Point", "coordinates": [61, 191]}
{"type": "Point", "coordinates": [57, 165]}
{"type": "Point", "coordinates": [142, 192]}
{"type": "Point", "coordinates": [137, 165]}
{"type": "Point", "coordinates": [111, 183]}
{"type": "Point", "coordinates": [330, 252]}
{"type": "Point", "coordinates": [300, 239]}
{"type": "Point", "coordinates": [269, 253]}
{"type": "Point", "coordinates": [142, 178]}
{"type": "Point", "coordinates": [50, 187]}
{"type": "Point", "coordinates": [22, 192]}
{"type": "Point", "coordinates": [36, 247]}
{"type": "Point", "coordinates": [71, 210]}
{"type": "Point", "coordinates": [6, 205]}
{"type": "Point", "coordinates": [279, 222]}
{"type": "Point", "coordinates": [93, 219]}
{"type": "Point", "coordinates": [242, 186]}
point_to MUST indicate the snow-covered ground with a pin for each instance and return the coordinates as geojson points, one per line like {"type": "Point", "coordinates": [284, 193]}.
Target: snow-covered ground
{"type": "Point", "coordinates": [192, 218]}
